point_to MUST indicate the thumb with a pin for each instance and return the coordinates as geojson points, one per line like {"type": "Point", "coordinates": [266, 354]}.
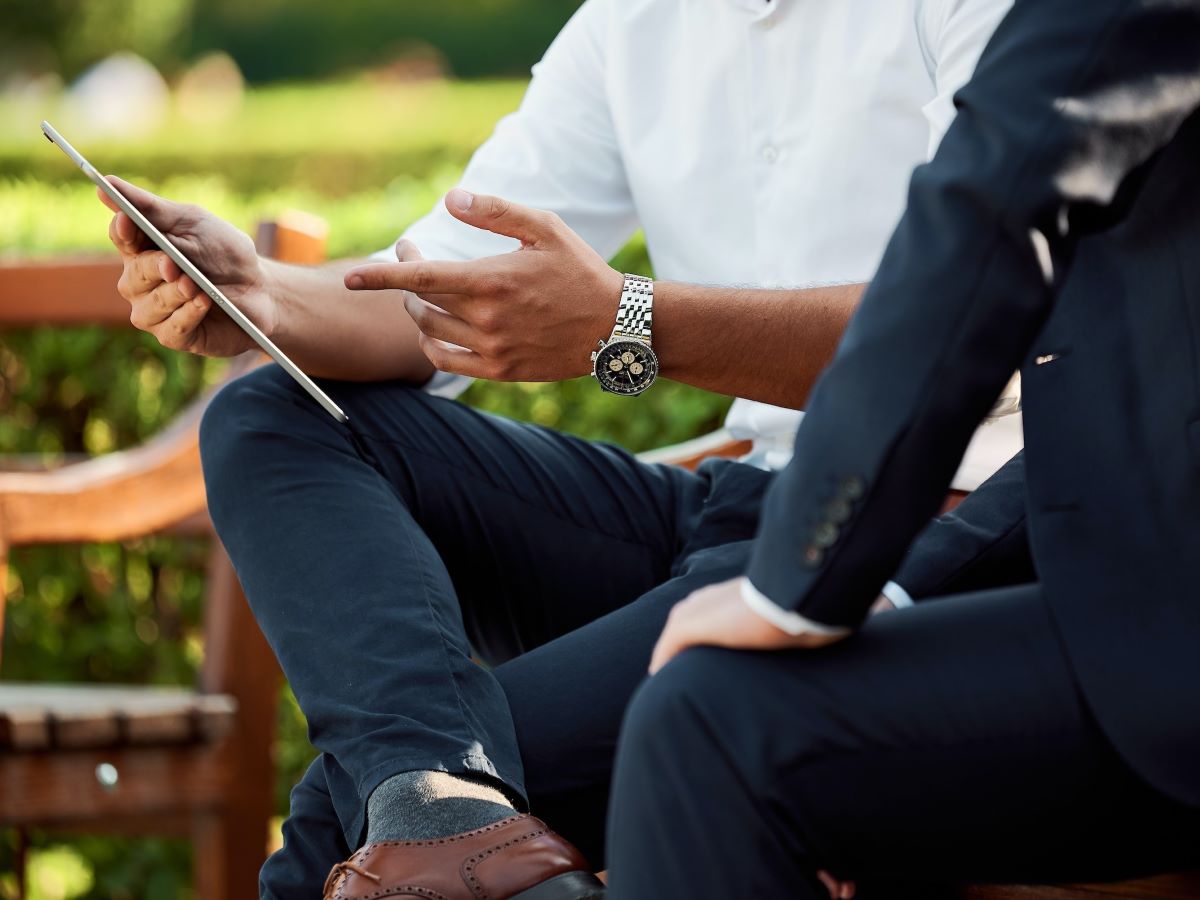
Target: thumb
{"type": "Point", "coordinates": [163, 213]}
{"type": "Point", "coordinates": [406, 251]}
{"type": "Point", "coordinates": [497, 215]}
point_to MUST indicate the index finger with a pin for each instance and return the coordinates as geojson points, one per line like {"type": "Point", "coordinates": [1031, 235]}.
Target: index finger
{"type": "Point", "coordinates": [145, 271]}
{"type": "Point", "coordinates": [420, 277]}
{"type": "Point", "coordinates": [125, 236]}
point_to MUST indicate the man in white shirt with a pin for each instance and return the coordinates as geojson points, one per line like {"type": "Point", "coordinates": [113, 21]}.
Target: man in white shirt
{"type": "Point", "coordinates": [756, 143]}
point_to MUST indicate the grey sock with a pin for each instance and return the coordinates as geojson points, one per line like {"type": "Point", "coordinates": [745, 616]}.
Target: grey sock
{"type": "Point", "coordinates": [419, 806]}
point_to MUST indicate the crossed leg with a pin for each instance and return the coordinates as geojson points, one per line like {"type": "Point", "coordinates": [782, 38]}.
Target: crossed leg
{"type": "Point", "coordinates": [378, 557]}
{"type": "Point", "coordinates": [567, 699]}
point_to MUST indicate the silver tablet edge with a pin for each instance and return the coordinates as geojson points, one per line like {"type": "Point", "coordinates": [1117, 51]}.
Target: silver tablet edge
{"type": "Point", "coordinates": [201, 280]}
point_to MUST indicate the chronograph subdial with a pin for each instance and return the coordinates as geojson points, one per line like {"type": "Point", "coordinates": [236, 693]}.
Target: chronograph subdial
{"type": "Point", "coordinates": [626, 367]}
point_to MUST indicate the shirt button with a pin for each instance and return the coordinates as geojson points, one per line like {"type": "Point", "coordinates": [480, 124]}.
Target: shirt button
{"type": "Point", "coordinates": [812, 557]}
{"type": "Point", "coordinates": [767, 23]}
{"type": "Point", "coordinates": [770, 153]}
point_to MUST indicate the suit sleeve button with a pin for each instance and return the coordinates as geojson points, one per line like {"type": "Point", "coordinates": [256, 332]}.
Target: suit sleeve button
{"type": "Point", "coordinates": [852, 488]}
{"type": "Point", "coordinates": [813, 556]}
{"type": "Point", "coordinates": [837, 511]}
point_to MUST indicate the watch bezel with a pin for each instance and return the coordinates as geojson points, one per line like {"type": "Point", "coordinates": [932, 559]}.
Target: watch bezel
{"type": "Point", "coordinates": [644, 347]}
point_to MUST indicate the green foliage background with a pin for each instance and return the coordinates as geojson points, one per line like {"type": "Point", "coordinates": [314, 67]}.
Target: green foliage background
{"type": "Point", "coordinates": [283, 39]}
{"type": "Point", "coordinates": [369, 158]}
{"type": "Point", "coordinates": [317, 38]}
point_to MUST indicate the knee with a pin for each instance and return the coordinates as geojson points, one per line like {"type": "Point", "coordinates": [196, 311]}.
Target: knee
{"type": "Point", "coordinates": [678, 709]}
{"type": "Point", "coordinates": [264, 401]}
{"type": "Point", "coordinates": [710, 707]}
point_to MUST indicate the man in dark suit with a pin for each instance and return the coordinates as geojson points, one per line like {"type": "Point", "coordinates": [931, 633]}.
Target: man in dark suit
{"type": "Point", "coordinates": [1041, 720]}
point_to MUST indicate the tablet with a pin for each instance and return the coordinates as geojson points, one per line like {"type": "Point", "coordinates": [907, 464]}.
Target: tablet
{"type": "Point", "coordinates": [185, 265]}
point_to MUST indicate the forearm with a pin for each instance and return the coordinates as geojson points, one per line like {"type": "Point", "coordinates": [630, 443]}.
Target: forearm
{"type": "Point", "coordinates": [536, 314]}
{"type": "Point", "coordinates": [332, 332]}
{"type": "Point", "coordinates": [768, 345]}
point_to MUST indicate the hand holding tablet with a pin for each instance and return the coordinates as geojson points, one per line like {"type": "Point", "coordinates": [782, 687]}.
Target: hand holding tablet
{"type": "Point", "coordinates": [181, 318]}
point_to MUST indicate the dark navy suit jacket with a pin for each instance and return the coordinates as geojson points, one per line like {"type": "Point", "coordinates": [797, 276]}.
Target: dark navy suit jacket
{"type": "Point", "coordinates": [1057, 230]}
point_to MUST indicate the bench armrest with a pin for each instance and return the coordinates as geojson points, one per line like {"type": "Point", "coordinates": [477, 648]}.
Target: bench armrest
{"type": "Point", "coordinates": [690, 454]}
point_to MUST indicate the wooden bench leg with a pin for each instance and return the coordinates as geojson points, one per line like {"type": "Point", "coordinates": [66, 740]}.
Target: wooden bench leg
{"type": "Point", "coordinates": [231, 843]}
{"type": "Point", "coordinates": [228, 852]}
{"type": "Point", "coordinates": [20, 864]}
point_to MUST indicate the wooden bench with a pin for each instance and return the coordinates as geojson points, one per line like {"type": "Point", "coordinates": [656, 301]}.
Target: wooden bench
{"type": "Point", "coordinates": [138, 760]}
{"type": "Point", "coordinates": [1178, 886]}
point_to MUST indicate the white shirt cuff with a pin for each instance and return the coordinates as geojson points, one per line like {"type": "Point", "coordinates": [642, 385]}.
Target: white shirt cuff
{"type": "Point", "coordinates": [784, 619]}
{"type": "Point", "coordinates": [899, 596]}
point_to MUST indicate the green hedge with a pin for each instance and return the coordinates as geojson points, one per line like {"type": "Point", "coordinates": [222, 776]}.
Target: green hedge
{"type": "Point", "coordinates": [331, 139]}
{"type": "Point", "coordinates": [315, 38]}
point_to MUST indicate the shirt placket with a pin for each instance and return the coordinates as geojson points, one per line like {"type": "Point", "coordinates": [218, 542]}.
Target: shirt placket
{"type": "Point", "coordinates": [767, 147]}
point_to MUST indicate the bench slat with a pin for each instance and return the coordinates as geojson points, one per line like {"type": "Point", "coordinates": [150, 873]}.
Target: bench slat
{"type": "Point", "coordinates": [42, 716]}
{"type": "Point", "coordinates": [1175, 886]}
{"type": "Point", "coordinates": [79, 291]}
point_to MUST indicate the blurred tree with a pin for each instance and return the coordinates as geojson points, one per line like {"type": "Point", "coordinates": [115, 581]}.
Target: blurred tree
{"type": "Point", "coordinates": [281, 39]}
{"type": "Point", "coordinates": [71, 35]}
{"type": "Point", "coordinates": [275, 39]}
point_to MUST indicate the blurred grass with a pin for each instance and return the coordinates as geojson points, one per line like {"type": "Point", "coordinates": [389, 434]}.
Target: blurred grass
{"type": "Point", "coordinates": [334, 138]}
{"type": "Point", "coordinates": [43, 219]}
{"type": "Point", "coordinates": [369, 158]}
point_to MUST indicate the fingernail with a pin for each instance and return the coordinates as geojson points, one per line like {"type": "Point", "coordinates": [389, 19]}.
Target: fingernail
{"type": "Point", "coordinates": [354, 282]}
{"type": "Point", "coordinates": [460, 199]}
{"type": "Point", "coordinates": [198, 301]}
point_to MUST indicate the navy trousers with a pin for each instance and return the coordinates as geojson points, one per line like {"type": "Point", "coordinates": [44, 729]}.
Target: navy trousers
{"type": "Point", "coordinates": [946, 743]}
{"type": "Point", "coordinates": [379, 556]}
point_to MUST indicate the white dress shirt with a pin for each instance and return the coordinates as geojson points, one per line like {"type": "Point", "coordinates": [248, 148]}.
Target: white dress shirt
{"type": "Point", "coordinates": [766, 143]}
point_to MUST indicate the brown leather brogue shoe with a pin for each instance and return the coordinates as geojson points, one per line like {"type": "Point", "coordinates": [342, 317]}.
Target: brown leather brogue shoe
{"type": "Point", "coordinates": [518, 858]}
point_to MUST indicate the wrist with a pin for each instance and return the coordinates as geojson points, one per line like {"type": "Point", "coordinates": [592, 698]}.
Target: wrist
{"type": "Point", "coordinates": [605, 312]}
{"type": "Point", "coordinates": [625, 363]}
{"type": "Point", "coordinates": [685, 318]}
{"type": "Point", "coordinates": [785, 620]}
{"type": "Point", "coordinates": [269, 284]}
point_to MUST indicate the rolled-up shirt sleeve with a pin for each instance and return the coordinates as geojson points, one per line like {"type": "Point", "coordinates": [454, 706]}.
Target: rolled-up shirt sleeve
{"type": "Point", "coordinates": [557, 152]}
{"type": "Point", "coordinates": [953, 35]}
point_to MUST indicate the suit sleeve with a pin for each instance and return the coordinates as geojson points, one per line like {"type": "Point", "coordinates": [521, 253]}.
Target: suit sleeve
{"type": "Point", "coordinates": [1070, 99]}
{"type": "Point", "coordinates": [982, 543]}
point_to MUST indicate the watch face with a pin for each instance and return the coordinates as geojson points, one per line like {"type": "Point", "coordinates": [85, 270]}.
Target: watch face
{"type": "Point", "coordinates": [626, 367]}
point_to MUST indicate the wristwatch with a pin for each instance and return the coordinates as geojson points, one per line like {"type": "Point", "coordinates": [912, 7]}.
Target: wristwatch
{"type": "Point", "coordinates": [625, 364]}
